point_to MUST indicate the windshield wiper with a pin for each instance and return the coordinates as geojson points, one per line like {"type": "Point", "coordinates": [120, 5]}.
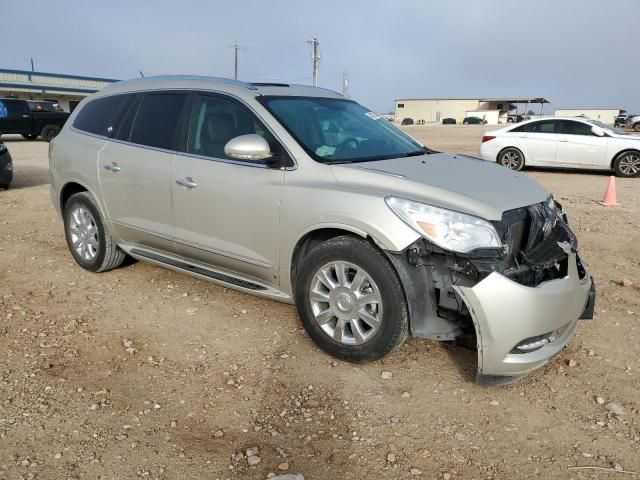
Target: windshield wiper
{"type": "Point", "coordinates": [417, 153]}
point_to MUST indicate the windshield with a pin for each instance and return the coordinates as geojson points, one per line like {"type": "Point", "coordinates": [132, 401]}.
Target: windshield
{"type": "Point", "coordinates": [617, 131]}
{"type": "Point", "coordinates": [335, 130]}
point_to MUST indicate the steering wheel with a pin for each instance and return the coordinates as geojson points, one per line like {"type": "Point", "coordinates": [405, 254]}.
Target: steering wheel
{"type": "Point", "coordinates": [344, 143]}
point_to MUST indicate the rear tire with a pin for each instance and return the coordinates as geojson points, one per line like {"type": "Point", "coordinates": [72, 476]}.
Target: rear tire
{"type": "Point", "coordinates": [511, 158]}
{"type": "Point", "coordinates": [30, 136]}
{"type": "Point", "coordinates": [365, 315]}
{"type": "Point", "coordinates": [627, 164]}
{"type": "Point", "coordinates": [49, 132]}
{"type": "Point", "coordinates": [87, 238]}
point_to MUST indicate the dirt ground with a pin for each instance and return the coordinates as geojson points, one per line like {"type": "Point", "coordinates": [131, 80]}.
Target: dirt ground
{"type": "Point", "coordinates": [143, 372]}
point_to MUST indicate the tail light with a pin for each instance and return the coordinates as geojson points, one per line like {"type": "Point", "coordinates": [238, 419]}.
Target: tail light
{"type": "Point", "coordinates": [486, 138]}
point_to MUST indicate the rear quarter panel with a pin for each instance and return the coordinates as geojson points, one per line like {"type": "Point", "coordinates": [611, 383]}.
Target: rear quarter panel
{"type": "Point", "coordinates": [73, 158]}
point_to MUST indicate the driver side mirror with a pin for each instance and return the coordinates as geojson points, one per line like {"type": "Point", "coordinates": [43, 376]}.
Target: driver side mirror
{"type": "Point", "coordinates": [597, 131]}
{"type": "Point", "coordinates": [250, 147]}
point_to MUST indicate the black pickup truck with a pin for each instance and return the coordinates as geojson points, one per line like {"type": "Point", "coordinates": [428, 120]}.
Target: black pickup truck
{"type": "Point", "coordinates": [17, 116]}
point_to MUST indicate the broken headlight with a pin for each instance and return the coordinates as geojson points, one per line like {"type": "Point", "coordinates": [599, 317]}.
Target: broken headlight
{"type": "Point", "coordinates": [450, 230]}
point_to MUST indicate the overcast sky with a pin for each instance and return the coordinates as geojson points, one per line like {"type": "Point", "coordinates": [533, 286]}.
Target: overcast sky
{"type": "Point", "coordinates": [576, 53]}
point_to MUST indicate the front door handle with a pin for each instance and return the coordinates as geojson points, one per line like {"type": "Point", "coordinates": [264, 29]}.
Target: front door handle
{"type": "Point", "coordinates": [26, 115]}
{"type": "Point", "coordinates": [563, 140]}
{"type": "Point", "coordinates": [186, 182]}
{"type": "Point", "coordinates": [523, 136]}
{"type": "Point", "coordinates": [112, 167]}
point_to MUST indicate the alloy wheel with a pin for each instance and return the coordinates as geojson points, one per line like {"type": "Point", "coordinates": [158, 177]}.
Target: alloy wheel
{"type": "Point", "coordinates": [629, 165]}
{"type": "Point", "coordinates": [84, 233]}
{"type": "Point", "coordinates": [510, 159]}
{"type": "Point", "coordinates": [346, 303]}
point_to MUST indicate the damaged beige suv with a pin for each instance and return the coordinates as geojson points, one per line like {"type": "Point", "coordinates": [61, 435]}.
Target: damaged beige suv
{"type": "Point", "coordinates": [301, 195]}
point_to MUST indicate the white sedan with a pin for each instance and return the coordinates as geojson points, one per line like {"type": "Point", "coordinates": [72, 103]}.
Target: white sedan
{"type": "Point", "coordinates": [564, 143]}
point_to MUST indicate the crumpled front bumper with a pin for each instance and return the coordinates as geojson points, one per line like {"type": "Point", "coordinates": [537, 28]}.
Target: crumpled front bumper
{"type": "Point", "coordinates": [506, 313]}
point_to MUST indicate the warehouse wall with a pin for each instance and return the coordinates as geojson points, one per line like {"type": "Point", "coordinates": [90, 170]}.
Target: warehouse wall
{"type": "Point", "coordinates": [607, 116]}
{"type": "Point", "coordinates": [427, 110]}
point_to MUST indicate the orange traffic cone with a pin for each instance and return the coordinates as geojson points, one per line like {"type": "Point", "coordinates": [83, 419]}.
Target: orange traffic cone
{"type": "Point", "coordinates": [609, 199]}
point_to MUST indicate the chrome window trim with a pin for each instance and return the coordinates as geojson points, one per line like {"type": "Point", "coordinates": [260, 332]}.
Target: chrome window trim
{"type": "Point", "coordinates": [177, 152]}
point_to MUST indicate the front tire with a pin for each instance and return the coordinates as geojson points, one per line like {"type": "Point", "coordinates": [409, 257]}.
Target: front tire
{"type": "Point", "coordinates": [511, 158]}
{"type": "Point", "coordinates": [87, 238]}
{"type": "Point", "coordinates": [49, 132]}
{"type": "Point", "coordinates": [636, 127]}
{"type": "Point", "coordinates": [627, 164]}
{"type": "Point", "coordinates": [351, 301]}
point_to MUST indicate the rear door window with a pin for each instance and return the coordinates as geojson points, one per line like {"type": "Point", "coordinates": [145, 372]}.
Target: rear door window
{"type": "Point", "coordinates": [100, 116]}
{"type": "Point", "coordinates": [14, 108]}
{"type": "Point", "coordinates": [543, 126]}
{"type": "Point", "coordinates": [123, 130]}
{"type": "Point", "coordinates": [156, 123]}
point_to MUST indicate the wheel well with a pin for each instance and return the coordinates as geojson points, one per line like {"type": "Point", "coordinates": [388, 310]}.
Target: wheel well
{"type": "Point", "coordinates": [524, 160]}
{"type": "Point", "coordinates": [310, 240]}
{"type": "Point", "coordinates": [613, 160]}
{"type": "Point", "coordinates": [67, 191]}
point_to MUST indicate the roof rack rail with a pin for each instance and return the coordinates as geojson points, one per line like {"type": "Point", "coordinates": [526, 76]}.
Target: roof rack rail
{"type": "Point", "coordinates": [269, 84]}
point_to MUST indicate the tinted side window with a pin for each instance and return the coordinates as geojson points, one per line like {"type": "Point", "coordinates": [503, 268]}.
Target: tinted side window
{"type": "Point", "coordinates": [123, 132]}
{"type": "Point", "coordinates": [156, 123]}
{"type": "Point", "coordinates": [217, 120]}
{"type": "Point", "coordinates": [575, 128]}
{"type": "Point", "coordinates": [100, 114]}
{"type": "Point", "coordinates": [544, 126]}
{"type": "Point", "coordinates": [15, 108]}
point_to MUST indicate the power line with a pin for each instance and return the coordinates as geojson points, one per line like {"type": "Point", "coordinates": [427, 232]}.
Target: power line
{"type": "Point", "coordinates": [315, 56]}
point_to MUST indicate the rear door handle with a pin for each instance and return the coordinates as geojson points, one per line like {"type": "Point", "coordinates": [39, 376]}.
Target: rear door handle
{"type": "Point", "coordinates": [112, 167]}
{"type": "Point", "coordinates": [26, 115]}
{"type": "Point", "coordinates": [186, 182]}
{"type": "Point", "coordinates": [562, 140]}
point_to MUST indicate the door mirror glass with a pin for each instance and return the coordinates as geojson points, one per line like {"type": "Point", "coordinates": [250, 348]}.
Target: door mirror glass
{"type": "Point", "coordinates": [251, 147]}
{"type": "Point", "coordinates": [597, 131]}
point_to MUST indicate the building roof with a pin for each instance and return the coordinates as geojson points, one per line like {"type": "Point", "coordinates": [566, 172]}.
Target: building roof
{"type": "Point", "coordinates": [499, 99]}
{"type": "Point", "coordinates": [44, 82]}
{"type": "Point", "coordinates": [589, 108]}
{"type": "Point", "coordinates": [59, 75]}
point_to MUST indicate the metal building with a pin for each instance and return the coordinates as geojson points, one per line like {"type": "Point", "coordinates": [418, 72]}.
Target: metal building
{"type": "Point", "coordinates": [493, 110]}
{"type": "Point", "coordinates": [66, 90]}
{"type": "Point", "coordinates": [604, 115]}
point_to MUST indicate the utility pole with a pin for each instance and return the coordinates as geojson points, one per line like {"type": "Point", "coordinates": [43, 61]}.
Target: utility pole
{"type": "Point", "coordinates": [32, 68]}
{"type": "Point", "coordinates": [315, 56]}
{"type": "Point", "coordinates": [235, 47]}
{"type": "Point", "coordinates": [345, 84]}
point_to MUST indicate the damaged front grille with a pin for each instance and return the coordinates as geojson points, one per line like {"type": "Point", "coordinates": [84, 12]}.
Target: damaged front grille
{"type": "Point", "coordinates": [550, 239]}
{"type": "Point", "coordinates": [539, 241]}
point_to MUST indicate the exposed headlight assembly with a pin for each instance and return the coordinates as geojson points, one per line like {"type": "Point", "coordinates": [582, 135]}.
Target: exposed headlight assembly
{"type": "Point", "coordinates": [450, 230]}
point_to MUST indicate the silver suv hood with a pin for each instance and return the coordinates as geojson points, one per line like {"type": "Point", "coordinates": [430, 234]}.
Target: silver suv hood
{"type": "Point", "coordinates": [457, 182]}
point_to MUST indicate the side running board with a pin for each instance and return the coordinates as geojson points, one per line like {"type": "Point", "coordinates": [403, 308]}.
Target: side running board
{"type": "Point", "coordinates": [221, 277]}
